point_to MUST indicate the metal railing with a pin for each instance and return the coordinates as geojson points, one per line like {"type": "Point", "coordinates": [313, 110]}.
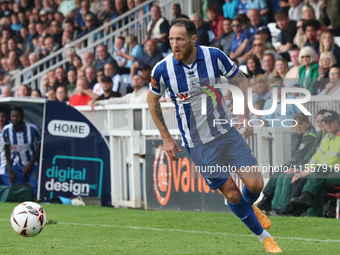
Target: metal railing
{"type": "Point", "coordinates": [124, 25]}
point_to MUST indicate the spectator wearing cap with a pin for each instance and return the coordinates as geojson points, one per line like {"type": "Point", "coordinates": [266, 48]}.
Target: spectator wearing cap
{"type": "Point", "coordinates": [288, 31]}
{"type": "Point", "coordinates": [201, 31]}
{"type": "Point", "coordinates": [321, 179]}
{"type": "Point", "coordinates": [138, 96]}
{"type": "Point", "coordinates": [333, 87]}
{"type": "Point", "coordinates": [107, 86]}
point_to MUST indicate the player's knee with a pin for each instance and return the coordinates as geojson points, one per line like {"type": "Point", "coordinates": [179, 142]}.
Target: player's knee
{"type": "Point", "coordinates": [232, 195]}
{"type": "Point", "coordinates": [256, 186]}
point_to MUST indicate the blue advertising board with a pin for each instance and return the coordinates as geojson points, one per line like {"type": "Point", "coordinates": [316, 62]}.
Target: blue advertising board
{"type": "Point", "coordinates": [76, 158]}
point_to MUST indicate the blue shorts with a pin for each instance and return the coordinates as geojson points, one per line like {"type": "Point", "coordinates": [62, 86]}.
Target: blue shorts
{"type": "Point", "coordinates": [4, 178]}
{"type": "Point", "coordinates": [31, 179]}
{"type": "Point", "coordinates": [214, 160]}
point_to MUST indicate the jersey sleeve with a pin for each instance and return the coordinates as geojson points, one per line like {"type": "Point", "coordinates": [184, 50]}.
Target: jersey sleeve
{"type": "Point", "coordinates": [157, 85]}
{"type": "Point", "coordinates": [226, 66]}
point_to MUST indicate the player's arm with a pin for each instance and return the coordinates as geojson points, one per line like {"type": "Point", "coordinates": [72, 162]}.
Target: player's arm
{"type": "Point", "coordinates": [169, 144]}
{"type": "Point", "coordinates": [12, 175]}
{"type": "Point", "coordinates": [242, 82]}
{"type": "Point", "coordinates": [29, 166]}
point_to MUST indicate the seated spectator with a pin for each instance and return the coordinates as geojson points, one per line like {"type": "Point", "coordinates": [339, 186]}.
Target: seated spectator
{"type": "Point", "coordinates": [90, 74]}
{"type": "Point", "coordinates": [29, 73]}
{"type": "Point", "coordinates": [158, 29]}
{"type": "Point", "coordinates": [276, 195]}
{"type": "Point", "coordinates": [333, 87]}
{"type": "Point", "coordinates": [136, 51]}
{"type": "Point", "coordinates": [77, 63]}
{"type": "Point", "coordinates": [295, 10]}
{"type": "Point", "coordinates": [293, 72]}
{"type": "Point", "coordinates": [309, 71]}
{"type": "Point", "coordinates": [201, 31]}
{"type": "Point", "coordinates": [118, 50]}
{"type": "Point", "coordinates": [24, 43]}
{"type": "Point", "coordinates": [52, 47]}
{"type": "Point", "coordinates": [288, 31]}
{"type": "Point", "coordinates": [97, 89]}
{"type": "Point", "coordinates": [258, 49]}
{"type": "Point", "coordinates": [103, 57]}
{"type": "Point", "coordinates": [107, 86]}
{"type": "Point", "coordinates": [138, 96]}
{"type": "Point", "coordinates": [89, 60]}
{"type": "Point", "coordinates": [107, 11]}
{"type": "Point", "coordinates": [315, 4]}
{"type": "Point", "coordinates": [118, 83]}
{"type": "Point", "coordinates": [69, 26]}
{"type": "Point", "coordinates": [23, 91]}
{"type": "Point", "coordinates": [90, 25]}
{"type": "Point", "coordinates": [6, 91]}
{"type": "Point", "coordinates": [16, 23]}
{"type": "Point", "coordinates": [239, 41]}
{"type": "Point", "coordinates": [151, 57]}
{"type": "Point", "coordinates": [281, 68]}
{"type": "Point", "coordinates": [51, 94]}
{"type": "Point", "coordinates": [253, 66]}
{"type": "Point", "coordinates": [68, 8]}
{"type": "Point", "coordinates": [81, 17]}
{"type": "Point", "coordinates": [269, 64]}
{"type": "Point", "coordinates": [261, 88]}
{"type": "Point", "coordinates": [327, 44]}
{"type": "Point", "coordinates": [120, 8]}
{"type": "Point", "coordinates": [216, 21]}
{"type": "Point", "coordinates": [61, 94]}
{"type": "Point", "coordinates": [291, 110]}
{"type": "Point", "coordinates": [230, 9]}
{"type": "Point", "coordinates": [145, 73]}
{"type": "Point", "coordinates": [80, 98]}
{"type": "Point", "coordinates": [310, 27]}
{"type": "Point", "coordinates": [260, 5]}
{"type": "Point", "coordinates": [56, 31]}
{"type": "Point", "coordinates": [307, 12]}
{"type": "Point", "coordinates": [224, 42]}
{"type": "Point", "coordinates": [12, 45]}
{"type": "Point", "coordinates": [320, 178]}
{"type": "Point", "coordinates": [177, 12]}
{"type": "Point", "coordinates": [36, 93]}
{"type": "Point", "coordinates": [256, 24]}
{"type": "Point", "coordinates": [326, 60]}
{"type": "Point", "coordinates": [71, 82]}
{"type": "Point", "coordinates": [60, 76]}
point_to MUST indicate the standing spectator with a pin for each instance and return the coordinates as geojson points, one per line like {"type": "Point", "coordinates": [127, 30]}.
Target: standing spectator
{"type": "Point", "coordinates": [177, 12]}
{"type": "Point", "coordinates": [230, 9]}
{"type": "Point", "coordinates": [4, 177]}
{"type": "Point", "coordinates": [22, 150]}
{"type": "Point", "coordinates": [288, 31]}
{"type": "Point", "coordinates": [309, 71]}
{"type": "Point", "coordinates": [295, 10]}
{"type": "Point", "coordinates": [158, 29]}
{"type": "Point", "coordinates": [269, 64]}
{"type": "Point", "coordinates": [327, 44]}
{"type": "Point", "coordinates": [107, 86]}
{"type": "Point", "coordinates": [80, 98]}
{"type": "Point", "coordinates": [216, 22]}
{"type": "Point", "coordinates": [103, 57]}
{"type": "Point", "coordinates": [202, 33]}
{"type": "Point", "coordinates": [118, 83]}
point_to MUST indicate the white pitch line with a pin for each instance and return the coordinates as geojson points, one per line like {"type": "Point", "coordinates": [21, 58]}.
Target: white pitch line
{"type": "Point", "coordinates": [191, 231]}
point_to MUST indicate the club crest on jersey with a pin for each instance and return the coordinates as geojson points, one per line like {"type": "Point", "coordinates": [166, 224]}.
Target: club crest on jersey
{"type": "Point", "coordinates": [191, 74]}
{"type": "Point", "coordinates": [154, 83]}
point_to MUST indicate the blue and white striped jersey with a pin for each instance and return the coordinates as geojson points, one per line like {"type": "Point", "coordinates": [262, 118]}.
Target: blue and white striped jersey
{"type": "Point", "coordinates": [23, 144]}
{"type": "Point", "coordinates": [187, 84]}
{"type": "Point", "coordinates": [3, 162]}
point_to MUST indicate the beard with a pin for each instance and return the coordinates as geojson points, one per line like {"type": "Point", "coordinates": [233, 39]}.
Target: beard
{"type": "Point", "coordinates": [185, 53]}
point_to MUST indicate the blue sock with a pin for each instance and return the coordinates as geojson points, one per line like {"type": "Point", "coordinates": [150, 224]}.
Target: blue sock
{"type": "Point", "coordinates": [245, 212]}
{"type": "Point", "coordinates": [249, 196]}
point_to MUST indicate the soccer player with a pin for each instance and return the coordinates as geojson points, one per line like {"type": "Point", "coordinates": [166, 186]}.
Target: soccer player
{"type": "Point", "coordinates": [208, 145]}
{"type": "Point", "coordinates": [22, 150]}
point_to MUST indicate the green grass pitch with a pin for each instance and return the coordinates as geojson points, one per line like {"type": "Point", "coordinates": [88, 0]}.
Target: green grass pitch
{"type": "Point", "coordinates": [102, 230]}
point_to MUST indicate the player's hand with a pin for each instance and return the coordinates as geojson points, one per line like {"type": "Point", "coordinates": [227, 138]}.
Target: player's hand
{"type": "Point", "coordinates": [243, 122]}
{"type": "Point", "coordinates": [170, 147]}
{"type": "Point", "coordinates": [12, 176]}
{"type": "Point", "coordinates": [28, 167]}
{"type": "Point", "coordinates": [296, 177]}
